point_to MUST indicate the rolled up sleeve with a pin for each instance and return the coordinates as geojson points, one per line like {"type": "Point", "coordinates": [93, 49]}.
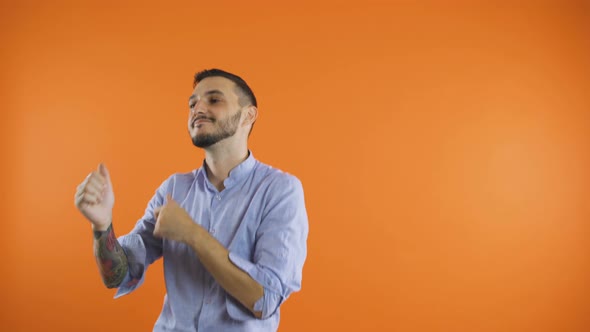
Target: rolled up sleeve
{"type": "Point", "coordinates": [280, 248]}
{"type": "Point", "coordinates": [136, 257]}
{"type": "Point", "coordinates": [140, 245]}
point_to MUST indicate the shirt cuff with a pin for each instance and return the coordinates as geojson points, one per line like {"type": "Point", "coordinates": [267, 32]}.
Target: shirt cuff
{"type": "Point", "coordinates": [136, 254]}
{"type": "Point", "coordinates": [271, 299]}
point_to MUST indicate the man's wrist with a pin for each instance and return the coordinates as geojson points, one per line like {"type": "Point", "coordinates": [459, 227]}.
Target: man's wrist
{"type": "Point", "coordinates": [191, 237]}
{"type": "Point", "coordinates": [101, 228]}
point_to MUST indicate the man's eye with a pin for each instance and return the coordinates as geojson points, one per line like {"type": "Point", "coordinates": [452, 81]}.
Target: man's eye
{"type": "Point", "coordinates": [213, 100]}
{"type": "Point", "coordinates": [191, 105]}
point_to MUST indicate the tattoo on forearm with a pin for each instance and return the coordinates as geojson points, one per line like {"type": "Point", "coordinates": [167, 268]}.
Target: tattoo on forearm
{"type": "Point", "coordinates": [110, 257]}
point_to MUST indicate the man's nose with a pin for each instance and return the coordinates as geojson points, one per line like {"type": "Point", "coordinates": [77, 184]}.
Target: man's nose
{"type": "Point", "coordinates": [199, 107]}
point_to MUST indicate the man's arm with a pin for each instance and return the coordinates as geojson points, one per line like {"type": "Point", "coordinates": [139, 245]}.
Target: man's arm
{"type": "Point", "coordinates": [174, 223]}
{"type": "Point", "coordinates": [110, 257]}
{"type": "Point", "coordinates": [231, 278]}
{"type": "Point", "coordinates": [95, 199]}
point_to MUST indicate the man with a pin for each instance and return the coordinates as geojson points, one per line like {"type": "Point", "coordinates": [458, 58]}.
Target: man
{"type": "Point", "coordinates": [232, 233]}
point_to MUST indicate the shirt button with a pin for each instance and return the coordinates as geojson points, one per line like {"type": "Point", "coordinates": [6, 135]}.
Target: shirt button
{"type": "Point", "coordinates": [218, 197]}
{"type": "Point", "coordinates": [212, 231]}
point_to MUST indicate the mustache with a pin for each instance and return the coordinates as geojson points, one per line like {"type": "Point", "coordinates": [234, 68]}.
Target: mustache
{"type": "Point", "coordinates": [200, 117]}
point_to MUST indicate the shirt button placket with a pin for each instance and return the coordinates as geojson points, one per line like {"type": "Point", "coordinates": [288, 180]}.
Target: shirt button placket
{"type": "Point", "coordinates": [214, 206]}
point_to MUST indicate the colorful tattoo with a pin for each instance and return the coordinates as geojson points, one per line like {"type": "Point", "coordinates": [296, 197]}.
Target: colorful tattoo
{"type": "Point", "coordinates": [110, 257]}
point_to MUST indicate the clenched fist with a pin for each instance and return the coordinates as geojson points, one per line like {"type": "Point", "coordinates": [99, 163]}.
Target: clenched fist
{"type": "Point", "coordinates": [173, 222]}
{"type": "Point", "coordinates": [95, 198]}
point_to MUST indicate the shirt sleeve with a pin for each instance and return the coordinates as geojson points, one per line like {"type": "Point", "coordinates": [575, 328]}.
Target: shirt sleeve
{"type": "Point", "coordinates": [280, 249]}
{"type": "Point", "coordinates": [140, 245]}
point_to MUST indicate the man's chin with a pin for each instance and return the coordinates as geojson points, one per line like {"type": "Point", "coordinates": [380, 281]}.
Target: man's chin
{"type": "Point", "coordinates": [203, 142]}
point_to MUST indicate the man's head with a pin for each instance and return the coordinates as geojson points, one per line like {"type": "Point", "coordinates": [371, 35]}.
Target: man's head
{"type": "Point", "coordinates": [222, 106]}
{"type": "Point", "coordinates": [245, 93]}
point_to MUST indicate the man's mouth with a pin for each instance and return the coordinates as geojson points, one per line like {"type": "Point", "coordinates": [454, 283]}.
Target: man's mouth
{"type": "Point", "coordinates": [200, 120]}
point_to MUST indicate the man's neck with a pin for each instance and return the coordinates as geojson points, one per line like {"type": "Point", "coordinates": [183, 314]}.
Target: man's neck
{"type": "Point", "coordinates": [220, 160]}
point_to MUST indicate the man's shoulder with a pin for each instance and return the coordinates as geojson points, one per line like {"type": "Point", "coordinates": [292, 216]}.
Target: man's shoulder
{"type": "Point", "coordinates": [180, 178]}
{"type": "Point", "coordinates": [275, 177]}
{"type": "Point", "coordinates": [184, 177]}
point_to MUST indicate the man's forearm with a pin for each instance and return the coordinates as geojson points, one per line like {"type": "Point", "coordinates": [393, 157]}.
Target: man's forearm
{"type": "Point", "coordinates": [110, 257]}
{"type": "Point", "coordinates": [215, 257]}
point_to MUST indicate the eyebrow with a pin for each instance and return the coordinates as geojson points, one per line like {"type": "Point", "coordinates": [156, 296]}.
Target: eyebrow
{"type": "Point", "coordinates": [210, 92]}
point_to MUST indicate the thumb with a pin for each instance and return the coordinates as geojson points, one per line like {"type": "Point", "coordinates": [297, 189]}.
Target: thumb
{"type": "Point", "coordinates": [102, 169]}
{"type": "Point", "coordinates": [169, 198]}
{"type": "Point", "coordinates": [157, 212]}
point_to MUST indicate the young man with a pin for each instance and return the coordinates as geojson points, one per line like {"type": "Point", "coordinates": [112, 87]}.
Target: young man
{"type": "Point", "coordinates": [232, 233]}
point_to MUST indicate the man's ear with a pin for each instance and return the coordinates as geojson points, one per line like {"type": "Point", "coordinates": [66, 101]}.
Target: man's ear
{"type": "Point", "coordinates": [251, 115]}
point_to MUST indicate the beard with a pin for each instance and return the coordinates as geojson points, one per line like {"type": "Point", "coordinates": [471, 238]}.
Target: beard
{"type": "Point", "coordinates": [224, 129]}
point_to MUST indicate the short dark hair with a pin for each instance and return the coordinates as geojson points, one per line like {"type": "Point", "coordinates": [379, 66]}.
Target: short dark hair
{"type": "Point", "coordinates": [239, 82]}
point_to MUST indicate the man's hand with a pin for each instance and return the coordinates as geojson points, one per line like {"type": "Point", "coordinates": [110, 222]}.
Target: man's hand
{"type": "Point", "coordinates": [173, 222]}
{"type": "Point", "coordinates": [95, 198]}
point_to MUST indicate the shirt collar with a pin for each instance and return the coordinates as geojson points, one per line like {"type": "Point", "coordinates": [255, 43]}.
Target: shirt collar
{"type": "Point", "coordinates": [236, 175]}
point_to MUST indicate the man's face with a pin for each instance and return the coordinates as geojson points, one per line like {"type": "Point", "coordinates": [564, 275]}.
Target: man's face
{"type": "Point", "coordinates": [215, 113]}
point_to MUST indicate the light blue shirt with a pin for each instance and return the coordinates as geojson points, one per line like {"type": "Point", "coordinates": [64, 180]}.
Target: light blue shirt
{"type": "Point", "coordinates": [260, 217]}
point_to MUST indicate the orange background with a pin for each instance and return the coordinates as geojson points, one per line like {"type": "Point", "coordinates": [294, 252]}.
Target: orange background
{"type": "Point", "coordinates": [444, 151]}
